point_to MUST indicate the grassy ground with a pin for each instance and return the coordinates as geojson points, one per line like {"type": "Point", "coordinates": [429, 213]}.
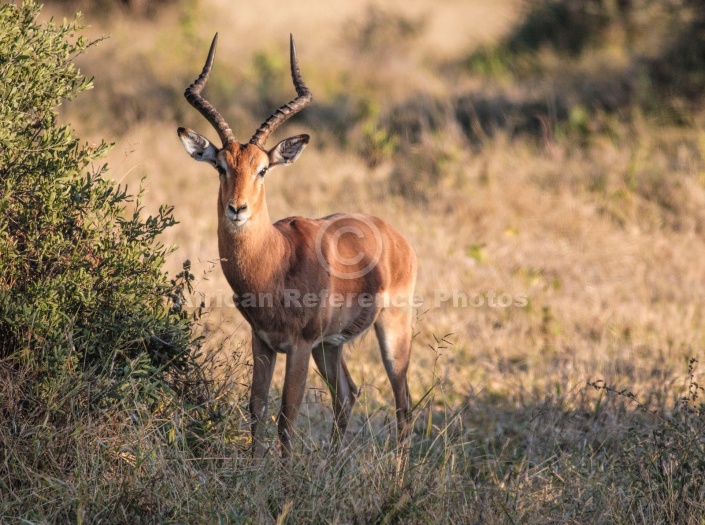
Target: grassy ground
{"type": "Point", "coordinates": [508, 178]}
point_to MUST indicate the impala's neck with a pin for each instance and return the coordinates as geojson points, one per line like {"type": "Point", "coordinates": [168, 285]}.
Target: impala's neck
{"type": "Point", "coordinates": [252, 255]}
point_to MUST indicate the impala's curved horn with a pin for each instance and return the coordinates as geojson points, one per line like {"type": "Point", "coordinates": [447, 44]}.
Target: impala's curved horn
{"type": "Point", "coordinates": [193, 95]}
{"type": "Point", "coordinates": [289, 109]}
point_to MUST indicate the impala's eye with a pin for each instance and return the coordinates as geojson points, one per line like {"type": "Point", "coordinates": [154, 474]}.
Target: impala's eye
{"type": "Point", "coordinates": [262, 172]}
{"type": "Point", "coordinates": [221, 170]}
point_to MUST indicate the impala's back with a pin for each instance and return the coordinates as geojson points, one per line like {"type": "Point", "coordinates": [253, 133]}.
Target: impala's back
{"type": "Point", "coordinates": [356, 265]}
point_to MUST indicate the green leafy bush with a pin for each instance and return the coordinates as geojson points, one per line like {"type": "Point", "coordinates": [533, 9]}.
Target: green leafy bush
{"type": "Point", "coordinates": [81, 282]}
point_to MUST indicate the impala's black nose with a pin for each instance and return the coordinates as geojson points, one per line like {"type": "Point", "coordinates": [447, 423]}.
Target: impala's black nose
{"type": "Point", "coordinates": [235, 210]}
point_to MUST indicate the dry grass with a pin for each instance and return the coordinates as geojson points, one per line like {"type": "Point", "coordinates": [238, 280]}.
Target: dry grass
{"type": "Point", "coordinates": [602, 235]}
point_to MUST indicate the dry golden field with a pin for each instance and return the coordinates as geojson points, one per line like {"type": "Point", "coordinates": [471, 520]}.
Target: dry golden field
{"type": "Point", "coordinates": [542, 185]}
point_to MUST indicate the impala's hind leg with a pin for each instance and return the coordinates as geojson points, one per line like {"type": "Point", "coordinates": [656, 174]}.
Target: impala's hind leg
{"type": "Point", "coordinates": [331, 364]}
{"type": "Point", "coordinates": [393, 329]}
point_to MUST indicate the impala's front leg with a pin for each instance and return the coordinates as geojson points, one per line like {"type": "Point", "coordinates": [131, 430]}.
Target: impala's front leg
{"type": "Point", "coordinates": [264, 359]}
{"type": "Point", "coordinates": [297, 361]}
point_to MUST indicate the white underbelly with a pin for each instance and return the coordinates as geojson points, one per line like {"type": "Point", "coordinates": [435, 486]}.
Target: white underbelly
{"type": "Point", "coordinates": [275, 342]}
{"type": "Point", "coordinates": [333, 340]}
{"type": "Point", "coordinates": [272, 340]}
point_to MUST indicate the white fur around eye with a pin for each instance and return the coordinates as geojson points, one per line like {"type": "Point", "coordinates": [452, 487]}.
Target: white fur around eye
{"type": "Point", "coordinates": [259, 169]}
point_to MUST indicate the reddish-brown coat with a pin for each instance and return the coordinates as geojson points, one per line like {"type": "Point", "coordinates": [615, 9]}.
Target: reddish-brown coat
{"type": "Point", "coordinates": [356, 257]}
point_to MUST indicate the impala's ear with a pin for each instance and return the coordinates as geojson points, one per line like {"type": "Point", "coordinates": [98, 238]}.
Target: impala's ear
{"type": "Point", "coordinates": [287, 151]}
{"type": "Point", "coordinates": [198, 146]}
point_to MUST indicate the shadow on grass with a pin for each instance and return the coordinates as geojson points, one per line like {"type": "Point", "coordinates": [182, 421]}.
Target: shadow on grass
{"type": "Point", "coordinates": [594, 454]}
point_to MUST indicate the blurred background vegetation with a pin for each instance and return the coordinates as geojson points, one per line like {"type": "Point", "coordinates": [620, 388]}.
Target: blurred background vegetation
{"type": "Point", "coordinates": [549, 148]}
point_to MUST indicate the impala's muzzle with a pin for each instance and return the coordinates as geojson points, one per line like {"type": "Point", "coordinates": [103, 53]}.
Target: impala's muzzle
{"type": "Point", "coordinates": [238, 214]}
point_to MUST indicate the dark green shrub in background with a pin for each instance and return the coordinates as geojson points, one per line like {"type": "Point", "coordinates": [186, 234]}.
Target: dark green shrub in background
{"type": "Point", "coordinates": [95, 348]}
{"type": "Point", "coordinates": [81, 282]}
